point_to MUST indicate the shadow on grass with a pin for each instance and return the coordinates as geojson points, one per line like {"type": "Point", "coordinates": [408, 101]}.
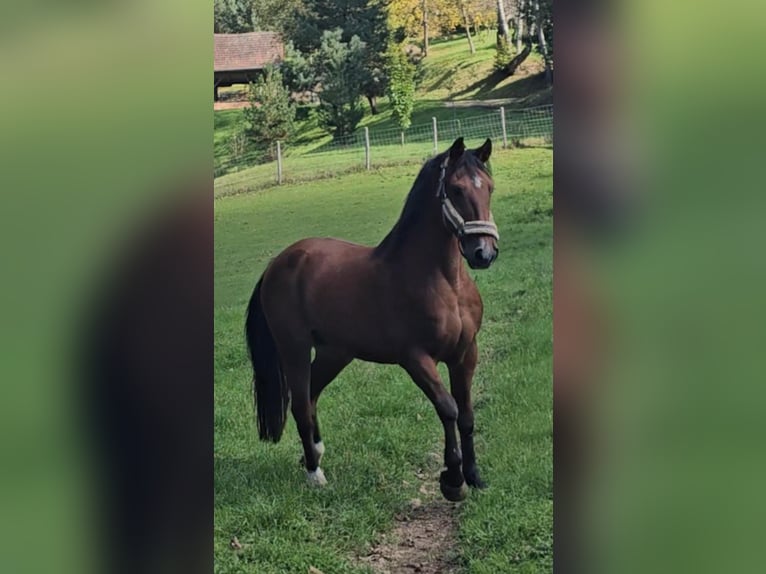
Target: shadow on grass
{"type": "Point", "coordinates": [533, 86]}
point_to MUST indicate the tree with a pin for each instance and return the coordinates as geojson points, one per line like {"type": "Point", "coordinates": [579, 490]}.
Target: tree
{"type": "Point", "coordinates": [502, 24]}
{"type": "Point", "coordinates": [539, 12]}
{"type": "Point", "coordinates": [276, 15]}
{"type": "Point", "coordinates": [340, 70]}
{"type": "Point", "coordinates": [366, 19]}
{"type": "Point", "coordinates": [232, 16]}
{"type": "Point", "coordinates": [401, 85]}
{"type": "Point", "coordinates": [466, 25]}
{"type": "Point", "coordinates": [270, 114]}
{"type": "Point", "coordinates": [424, 18]}
{"type": "Point", "coordinates": [544, 26]}
{"type": "Point", "coordinates": [519, 32]}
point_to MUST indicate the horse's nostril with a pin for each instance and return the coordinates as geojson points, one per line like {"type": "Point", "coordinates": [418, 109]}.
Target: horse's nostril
{"type": "Point", "coordinates": [479, 253]}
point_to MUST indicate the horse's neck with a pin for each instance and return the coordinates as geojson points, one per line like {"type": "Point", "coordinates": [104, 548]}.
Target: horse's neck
{"type": "Point", "coordinates": [425, 248]}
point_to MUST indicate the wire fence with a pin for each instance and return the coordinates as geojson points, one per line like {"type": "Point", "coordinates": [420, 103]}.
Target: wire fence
{"type": "Point", "coordinates": [367, 149]}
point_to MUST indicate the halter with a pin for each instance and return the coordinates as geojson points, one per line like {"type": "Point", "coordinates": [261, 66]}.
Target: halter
{"type": "Point", "coordinates": [459, 226]}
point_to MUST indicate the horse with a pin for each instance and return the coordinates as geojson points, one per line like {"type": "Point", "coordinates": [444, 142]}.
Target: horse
{"type": "Point", "coordinates": [408, 301]}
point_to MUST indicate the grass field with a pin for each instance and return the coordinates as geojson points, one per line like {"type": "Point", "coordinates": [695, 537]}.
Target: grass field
{"type": "Point", "coordinates": [383, 439]}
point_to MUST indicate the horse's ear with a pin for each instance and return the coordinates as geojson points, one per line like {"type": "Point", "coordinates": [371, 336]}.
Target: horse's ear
{"type": "Point", "coordinates": [456, 149]}
{"type": "Point", "coordinates": [484, 151]}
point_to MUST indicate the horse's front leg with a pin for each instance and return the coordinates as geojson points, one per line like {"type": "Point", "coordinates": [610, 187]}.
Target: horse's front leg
{"type": "Point", "coordinates": [422, 369]}
{"type": "Point", "coordinates": [461, 377]}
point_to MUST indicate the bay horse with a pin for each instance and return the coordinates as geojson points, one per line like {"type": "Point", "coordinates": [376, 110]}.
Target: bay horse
{"type": "Point", "coordinates": [409, 301]}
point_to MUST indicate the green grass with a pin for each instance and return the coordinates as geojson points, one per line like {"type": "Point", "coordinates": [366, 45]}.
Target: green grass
{"type": "Point", "coordinates": [378, 427]}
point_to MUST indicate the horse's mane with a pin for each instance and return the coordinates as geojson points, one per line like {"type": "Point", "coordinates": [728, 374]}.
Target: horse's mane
{"type": "Point", "coordinates": [419, 197]}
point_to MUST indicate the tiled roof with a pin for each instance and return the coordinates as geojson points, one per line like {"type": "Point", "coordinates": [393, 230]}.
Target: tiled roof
{"type": "Point", "coordinates": [250, 51]}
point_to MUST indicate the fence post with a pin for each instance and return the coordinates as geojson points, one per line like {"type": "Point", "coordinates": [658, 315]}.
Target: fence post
{"type": "Point", "coordinates": [436, 138]}
{"type": "Point", "coordinates": [367, 148]}
{"type": "Point", "coordinates": [279, 163]}
{"type": "Point", "coordinates": [459, 131]}
{"type": "Point", "coordinates": [502, 122]}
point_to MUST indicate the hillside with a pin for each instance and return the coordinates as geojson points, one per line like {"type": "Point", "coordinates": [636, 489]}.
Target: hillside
{"type": "Point", "coordinates": [455, 85]}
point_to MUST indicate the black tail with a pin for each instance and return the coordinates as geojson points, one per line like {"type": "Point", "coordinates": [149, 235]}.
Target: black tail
{"type": "Point", "coordinates": [269, 387]}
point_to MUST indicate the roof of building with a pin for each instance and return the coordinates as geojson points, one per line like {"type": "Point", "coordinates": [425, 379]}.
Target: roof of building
{"type": "Point", "coordinates": [249, 51]}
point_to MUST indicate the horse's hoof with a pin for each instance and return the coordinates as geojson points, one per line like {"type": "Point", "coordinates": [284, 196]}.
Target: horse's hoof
{"type": "Point", "coordinates": [316, 477]}
{"type": "Point", "coordinates": [474, 480]}
{"type": "Point", "coordinates": [453, 493]}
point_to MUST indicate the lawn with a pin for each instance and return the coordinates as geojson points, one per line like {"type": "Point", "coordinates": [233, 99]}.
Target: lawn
{"type": "Point", "coordinates": [381, 433]}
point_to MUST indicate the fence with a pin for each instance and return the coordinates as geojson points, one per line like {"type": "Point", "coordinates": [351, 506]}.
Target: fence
{"type": "Point", "coordinates": [367, 148]}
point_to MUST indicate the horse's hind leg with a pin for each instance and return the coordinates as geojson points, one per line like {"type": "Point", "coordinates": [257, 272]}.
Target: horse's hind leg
{"type": "Point", "coordinates": [297, 370]}
{"type": "Point", "coordinates": [328, 363]}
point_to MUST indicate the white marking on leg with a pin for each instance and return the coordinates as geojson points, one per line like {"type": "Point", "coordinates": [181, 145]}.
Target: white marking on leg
{"type": "Point", "coordinates": [316, 478]}
{"type": "Point", "coordinates": [319, 446]}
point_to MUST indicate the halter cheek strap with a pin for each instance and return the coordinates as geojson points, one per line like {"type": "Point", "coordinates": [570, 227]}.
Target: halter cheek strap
{"type": "Point", "coordinates": [459, 226]}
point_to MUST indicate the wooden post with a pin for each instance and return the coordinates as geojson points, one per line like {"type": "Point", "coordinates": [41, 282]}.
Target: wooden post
{"type": "Point", "coordinates": [367, 148]}
{"type": "Point", "coordinates": [402, 138]}
{"type": "Point", "coordinates": [505, 134]}
{"type": "Point", "coordinates": [436, 137]}
{"type": "Point", "coordinates": [279, 163]}
{"type": "Point", "coordinates": [459, 131]}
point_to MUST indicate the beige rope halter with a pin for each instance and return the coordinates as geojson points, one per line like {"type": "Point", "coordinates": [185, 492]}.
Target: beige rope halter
{"type": "Point", "coordinates": [459, 226]}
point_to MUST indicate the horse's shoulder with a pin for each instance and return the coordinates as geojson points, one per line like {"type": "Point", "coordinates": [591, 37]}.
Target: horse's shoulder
{"type": "Point", "coordinates": [471, 305]}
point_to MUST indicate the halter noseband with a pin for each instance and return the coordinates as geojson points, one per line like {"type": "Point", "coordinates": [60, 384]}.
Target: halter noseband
{"type": "Point", "coordinates": [459, 226]}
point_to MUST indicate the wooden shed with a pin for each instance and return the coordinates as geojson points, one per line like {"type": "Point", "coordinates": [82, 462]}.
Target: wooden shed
{"type": "Point", "coordinates": [241, 58]}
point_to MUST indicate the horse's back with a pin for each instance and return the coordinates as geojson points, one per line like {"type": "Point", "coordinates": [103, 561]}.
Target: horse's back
{"type": "Point", "coordinates": [319, 278]}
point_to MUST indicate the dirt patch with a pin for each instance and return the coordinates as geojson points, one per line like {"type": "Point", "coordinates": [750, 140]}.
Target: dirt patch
{"type": "Point", "coordinates": [423, 540]}
{"type": "Point", "coordinates": [229, 105]}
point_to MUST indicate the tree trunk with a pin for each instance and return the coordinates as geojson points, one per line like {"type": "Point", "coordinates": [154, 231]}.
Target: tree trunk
{"type": "Point", "coordinates": [467, 27]}
{"type": "Point", "coordinates": [502, 23]}
{"type": "Point", "coordinates": [541, 41]}
{"type": "Point", "coordinates": [425, 28]}
{"type": "Point", "coordinates": [373, 104]}
{"type": "Point", "coordinates": [510, 68]}
{"type": "Point", "coordinates": [519, 25]}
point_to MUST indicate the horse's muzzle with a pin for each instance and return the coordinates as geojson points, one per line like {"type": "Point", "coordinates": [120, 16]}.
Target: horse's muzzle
{"type": "Point", "coordinates": [481, 255]}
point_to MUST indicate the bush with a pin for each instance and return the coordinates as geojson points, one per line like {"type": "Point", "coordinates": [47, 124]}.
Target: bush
{"type": "Point", "coordinates": [270, 114]}
{"type": "Point", "coordinates": [503, 53]}
{"type": "Point", "coordinates": [401, 86]}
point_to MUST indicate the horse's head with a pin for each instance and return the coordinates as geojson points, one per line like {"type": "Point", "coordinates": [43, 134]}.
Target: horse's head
{"type": "Point", "coordinates": [465, 190]}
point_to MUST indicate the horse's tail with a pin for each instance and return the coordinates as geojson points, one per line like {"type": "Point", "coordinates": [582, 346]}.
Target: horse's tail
{"type": "Point", "coordinates": [270, 390]}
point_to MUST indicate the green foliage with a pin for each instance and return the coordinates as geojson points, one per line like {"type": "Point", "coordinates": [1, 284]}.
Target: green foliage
{"type": "Point", "coordinates": [232, 16]}
{"type": "Point", "coordinates": [401, 85]}
{"type": "Point", "coordinates": [340, 69]}
{"type": "Point", "coordinates": [366, 19]}
{"type": "Point", "coordinates": [300, 74]}
{"type": "Point", "coordinates": [270, 114]}
{"type": "Point", "coordinates": [276, 15]}
{"type": "Point", "coordinates": [502, 53]}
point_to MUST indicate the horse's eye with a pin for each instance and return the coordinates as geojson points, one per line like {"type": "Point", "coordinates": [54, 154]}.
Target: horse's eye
{"type": "Point", "coordinates": [457, 190]}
